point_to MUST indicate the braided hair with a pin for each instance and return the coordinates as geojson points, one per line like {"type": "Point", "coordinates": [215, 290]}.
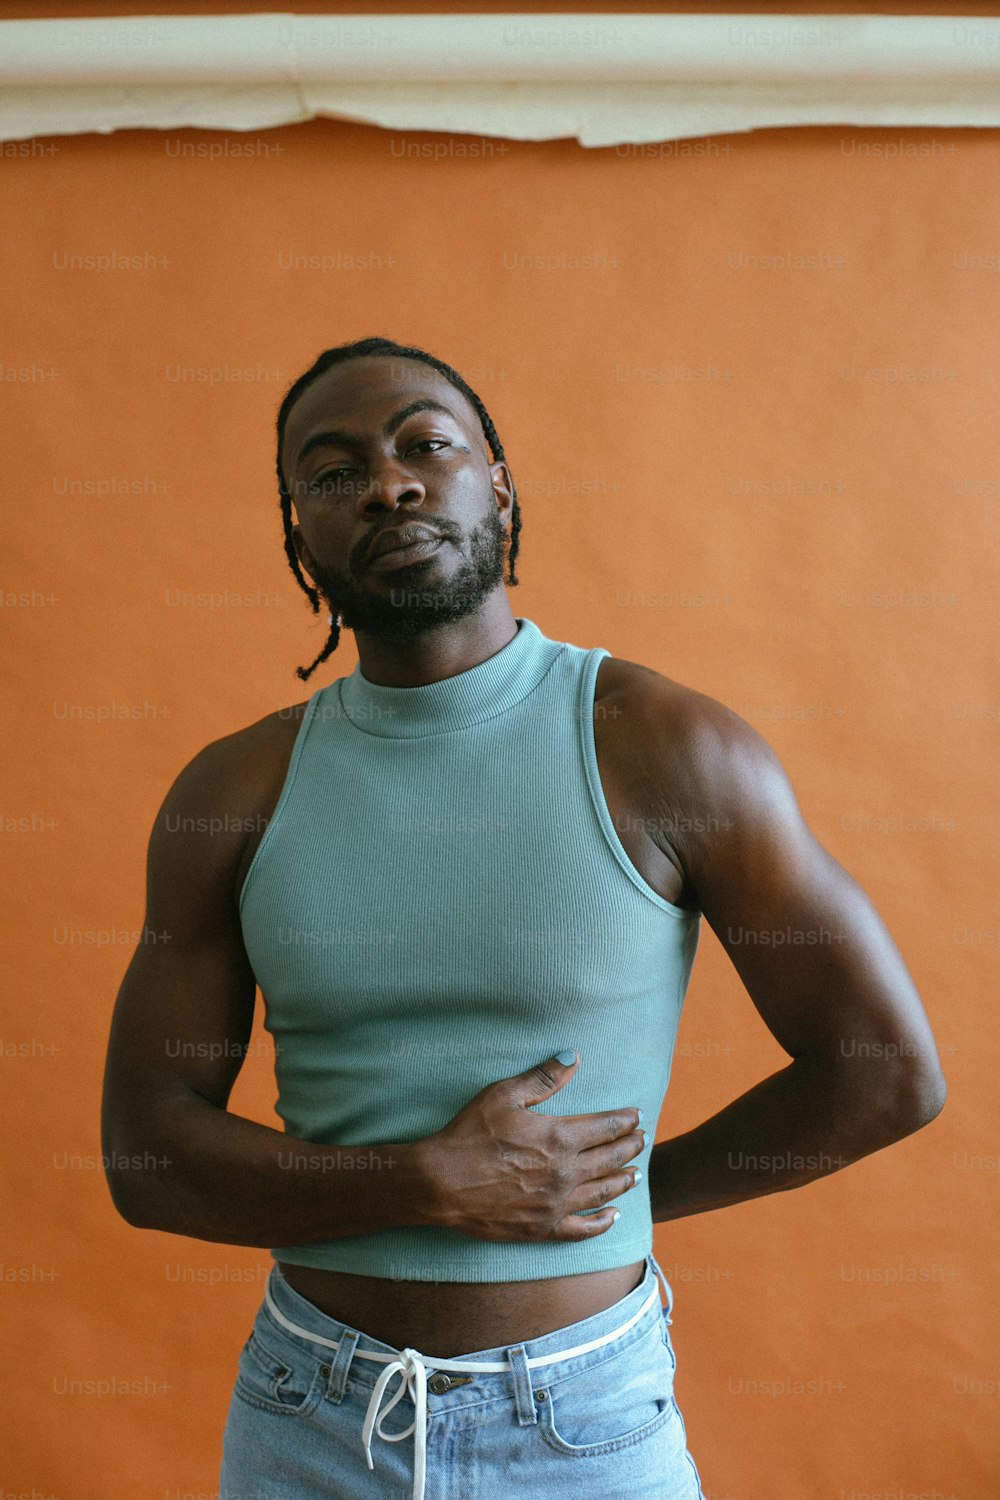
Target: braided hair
{"type": "Point", "coordinates": [358, 350]}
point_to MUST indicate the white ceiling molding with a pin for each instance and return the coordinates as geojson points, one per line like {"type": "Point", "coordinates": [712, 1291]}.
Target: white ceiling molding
{"type": "Point", "coordinates": [603, 79]}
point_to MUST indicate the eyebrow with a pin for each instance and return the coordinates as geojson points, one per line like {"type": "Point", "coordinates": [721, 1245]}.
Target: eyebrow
{"type": "Point", "coordinates": [336, 439]}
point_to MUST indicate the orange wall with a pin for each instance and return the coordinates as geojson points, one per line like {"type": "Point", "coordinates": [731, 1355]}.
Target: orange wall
{"type": "Point", "coordinates": [806, 532]}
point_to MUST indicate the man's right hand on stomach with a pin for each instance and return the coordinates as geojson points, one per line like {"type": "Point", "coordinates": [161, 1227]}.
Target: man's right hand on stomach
{"type": "Point", "coordinates": [498, 1172]}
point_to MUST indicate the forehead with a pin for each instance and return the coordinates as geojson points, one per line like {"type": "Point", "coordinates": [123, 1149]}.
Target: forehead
{"type": "Point", "coordinates": [358, 396]}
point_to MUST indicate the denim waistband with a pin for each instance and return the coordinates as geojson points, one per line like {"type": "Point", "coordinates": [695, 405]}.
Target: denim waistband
{"type": "Point", "coordinates": [552, 1348]}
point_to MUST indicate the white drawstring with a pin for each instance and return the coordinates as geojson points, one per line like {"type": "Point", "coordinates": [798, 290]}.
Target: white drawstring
{"type": "Point", "coordinates": [413, 1367]}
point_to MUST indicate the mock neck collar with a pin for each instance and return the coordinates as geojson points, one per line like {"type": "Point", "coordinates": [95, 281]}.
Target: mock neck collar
{"type": "Point", "coordinates": [490, 688]}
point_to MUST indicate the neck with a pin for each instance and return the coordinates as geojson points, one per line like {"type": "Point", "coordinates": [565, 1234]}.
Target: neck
{"type": "Point", "coordinates": [437, 654]}
{"type": "Point", "coordinates": [464, 701]}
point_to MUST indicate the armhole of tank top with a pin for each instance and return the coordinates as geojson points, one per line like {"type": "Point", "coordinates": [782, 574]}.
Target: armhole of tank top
{"type": "Point", "coordinates": [588, 685]}
{"type": "Point", "coordinates": [691, 944]}
{"type": "Point", "coordinates": [283, 795]}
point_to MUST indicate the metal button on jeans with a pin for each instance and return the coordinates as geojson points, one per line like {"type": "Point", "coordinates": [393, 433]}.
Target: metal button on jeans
{"type": "Point", "coordinates": [440, 1383]}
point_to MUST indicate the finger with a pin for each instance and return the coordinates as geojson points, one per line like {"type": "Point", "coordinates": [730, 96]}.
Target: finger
{"type": "Point", "coordinates": [585, 1226]}
{"type": "Point", "coordinates": [599, 1191]}
{"type": "Point", "coordinates": [538, 1083]}
{"type": "Point", "coordinates": [589, 1131]}
{"type": "Point", "coordinates": [600, 1160]}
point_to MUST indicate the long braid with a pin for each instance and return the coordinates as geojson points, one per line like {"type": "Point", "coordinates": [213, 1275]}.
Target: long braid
{"type": "Point", "coordinates": [358, 350]}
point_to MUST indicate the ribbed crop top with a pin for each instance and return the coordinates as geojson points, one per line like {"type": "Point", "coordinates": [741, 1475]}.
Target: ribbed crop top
{"type": "Point", "coordinates": [441, 900]}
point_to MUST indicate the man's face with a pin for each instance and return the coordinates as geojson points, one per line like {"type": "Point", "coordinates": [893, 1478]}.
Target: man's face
{"type": "Point", "coordinates": [430, 469]}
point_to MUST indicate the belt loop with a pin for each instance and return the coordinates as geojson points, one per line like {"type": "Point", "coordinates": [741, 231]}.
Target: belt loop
{"type": "Point", "coordinates": [338, 1371]}
{"type": "Point", "coordinates": [523, 1394]}
{"type": "Point", "coordinates": [667, 1289]}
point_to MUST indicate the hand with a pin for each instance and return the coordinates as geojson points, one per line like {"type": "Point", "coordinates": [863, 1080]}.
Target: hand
{"type": "Point", "coordinates": [498, 1172]}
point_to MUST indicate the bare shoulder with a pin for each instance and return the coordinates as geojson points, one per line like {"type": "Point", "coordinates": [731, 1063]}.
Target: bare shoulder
{"type": "Point", "coordinates": [244, 762]}
{"type": "Point", "coordinates": [217, 809]}
{"type": "Point", "coordinates": [674, 710]}
{"type": "Point", "coordinates": [265, 738]}
{"type": "Point", "coordinates": [693, 746]}
{"type": "Point", "coordinates": [229, 787]}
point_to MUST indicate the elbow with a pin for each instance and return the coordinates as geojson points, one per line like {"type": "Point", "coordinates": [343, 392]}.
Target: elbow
{"type": "Point", "coordinates": [876, 1105]}
{"type": "Point", "coordinates": [920, 1098]}
{"type": "Point", "coordinates": [134, 1218]}
{"type": "Point", "coordinates": [129, 1201]}
{"type": "Point", "coordinates": [131, 1174]}
{"type": "Point", "coordinates": [124, 1202]}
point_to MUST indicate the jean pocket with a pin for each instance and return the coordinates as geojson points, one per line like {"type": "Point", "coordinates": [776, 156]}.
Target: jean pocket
{"type": "Point", "coordinates": [279, 1377]}
{"type": "Point", "coordinates": [616, 1404]}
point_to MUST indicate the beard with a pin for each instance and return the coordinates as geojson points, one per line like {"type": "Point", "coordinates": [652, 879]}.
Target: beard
{"type": "Point", "coordinates": [419, 601]}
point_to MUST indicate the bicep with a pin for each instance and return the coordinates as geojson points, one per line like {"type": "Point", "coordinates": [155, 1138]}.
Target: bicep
{"type": "Point", "coordinates": [184, 1011]}
{"type": "Point", "coordinates": [812, 951]}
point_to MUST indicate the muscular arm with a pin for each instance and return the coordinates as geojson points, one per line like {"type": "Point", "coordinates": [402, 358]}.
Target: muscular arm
{"type": "Point", "coordinates": [177, 1159]}
{"type": "Point", "coordinates": [815, 958]}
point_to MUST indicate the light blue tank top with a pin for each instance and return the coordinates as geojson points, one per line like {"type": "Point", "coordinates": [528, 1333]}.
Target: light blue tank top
{"type": "Point", "coordinates": [441, 900]}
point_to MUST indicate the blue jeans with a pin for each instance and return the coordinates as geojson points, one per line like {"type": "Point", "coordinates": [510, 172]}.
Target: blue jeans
{"type": "Point", "coordinates": [308, 1408]}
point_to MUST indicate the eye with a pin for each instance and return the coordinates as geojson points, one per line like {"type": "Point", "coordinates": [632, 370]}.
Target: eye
{"type": "Point", "coordinates": [323, 481]}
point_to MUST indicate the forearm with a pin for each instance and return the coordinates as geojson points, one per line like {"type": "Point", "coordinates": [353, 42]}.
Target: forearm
{"type": "Point", "coordinates": [213, 1175]}
{"type": "Point", "coordinates": [798, 1125]}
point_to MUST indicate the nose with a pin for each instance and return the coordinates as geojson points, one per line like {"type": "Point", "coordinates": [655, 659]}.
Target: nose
{"type": "Point", "coordinates": [389, 482]}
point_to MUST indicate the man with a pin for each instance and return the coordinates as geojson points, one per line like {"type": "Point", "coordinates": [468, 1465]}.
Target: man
{"type": "Point", "coordinates": [470, 894]}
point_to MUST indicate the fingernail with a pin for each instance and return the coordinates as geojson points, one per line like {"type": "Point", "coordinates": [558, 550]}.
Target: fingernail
{"type": "Point", "coordinates": [637, 1176]}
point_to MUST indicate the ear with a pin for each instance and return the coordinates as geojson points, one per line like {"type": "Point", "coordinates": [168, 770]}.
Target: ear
{"type": "Point", "coordinates": [503, 489]}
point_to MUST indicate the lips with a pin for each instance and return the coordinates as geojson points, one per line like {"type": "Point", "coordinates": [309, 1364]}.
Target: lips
{"type": "Point", "coordinates": [396, 537]}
